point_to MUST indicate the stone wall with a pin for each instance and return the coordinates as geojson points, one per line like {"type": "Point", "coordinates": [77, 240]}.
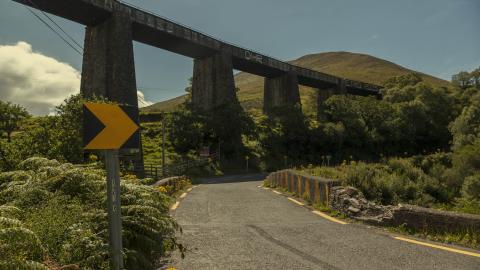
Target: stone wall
{"type": "Point", "coordinates": [170, 181]}
{"type": "Point", "coordinates": [312, 188]}
{"type": "Point", "coordinates": [351, 202]}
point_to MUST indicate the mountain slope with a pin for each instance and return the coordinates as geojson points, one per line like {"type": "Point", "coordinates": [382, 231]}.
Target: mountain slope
{"type": "Point", "coordinates": [361, 67]}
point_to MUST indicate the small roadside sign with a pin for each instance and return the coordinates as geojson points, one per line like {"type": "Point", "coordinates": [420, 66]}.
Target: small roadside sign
{"type": "Point", "coordinates": [110, 127]}
{"type": "Point", "coordinates": [205, 151]}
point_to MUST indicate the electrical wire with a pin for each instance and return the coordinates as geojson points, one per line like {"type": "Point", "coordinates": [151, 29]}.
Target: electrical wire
{"type": "Point", "coordinates": [58, 34]}
{"type": "Point", "coordinates": [58, 26]}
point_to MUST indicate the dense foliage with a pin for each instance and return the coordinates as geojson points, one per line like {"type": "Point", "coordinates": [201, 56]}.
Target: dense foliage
{"type": "Point", "coordinates": [56, 137]}
{"type": "Point", "coordinates": [412, 118]}
{"type": "Point", "coordinates": [10, 117]}
{"type": "Point", "coordinates": [442, 120]}
{"type": "Point", "coordinates": [442, 180]}
{"type": "Point", "coordinates": [54, 213]}
{"type": "Point", "coordinates": [223, 128]}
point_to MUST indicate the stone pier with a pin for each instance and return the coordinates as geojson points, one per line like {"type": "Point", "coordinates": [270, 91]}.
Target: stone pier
{"type": "Point", "coordinates": [108, 61]}
{"type": "Point", "coordinates": [108, 66]}
{"type": "Point", "coordinates": [322, 96]}
{"type": "Point", "coordinates": [324, 93]}
{"type": "Point", "coordinates": [281, 91]}
{"type": "Point", "coordinates": [213, 82]}
{"type": "Point", "coordinates": [341, 88]}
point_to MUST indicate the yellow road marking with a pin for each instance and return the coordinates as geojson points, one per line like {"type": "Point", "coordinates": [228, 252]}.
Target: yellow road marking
{"type": "Point", "coordinates": [277, 192]}
{"type": "Point", "coordinates": [183, 195]}
{"type": "Point", "coordinates": [190, 189]}
{"type": "Point", "coordinates": [295, 201]}
{"type": "Point", "coordinates": [438, 246]}
{"type": "Point", "coordinates": [325, 216]}
{"type": "Point", "coordinates": [174, 206]}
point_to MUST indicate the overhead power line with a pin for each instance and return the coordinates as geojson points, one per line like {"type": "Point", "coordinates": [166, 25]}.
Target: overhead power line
{"type": "Point", "coordinates": [58, 26]}
{"type": "Point", "coordinates": [55, 31]}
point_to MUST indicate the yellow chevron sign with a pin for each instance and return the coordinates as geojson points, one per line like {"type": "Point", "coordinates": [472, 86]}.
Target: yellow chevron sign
{"type": "Point", "coordinates": [109, 126]}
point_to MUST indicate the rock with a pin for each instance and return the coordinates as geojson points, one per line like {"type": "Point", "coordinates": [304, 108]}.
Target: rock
{"type": "Point", "coordinates": [354, 202]}
{"type": "Point", "coordinates": [351, 191]}
{"type": "Point", "coordinates": [353, 209]}
{"type": "Point", "coordinates": [335, 188]}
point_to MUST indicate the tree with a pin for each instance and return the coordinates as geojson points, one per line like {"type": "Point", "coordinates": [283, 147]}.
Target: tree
{"type": "Point", "coordinates": [463, 79]}
{"type": "Point", "coordinates": [466, 127]}
{"type": "Point", "coordinates": [476, 78]}
{"type": "Point", "coordinates": [68, 129]}
{"type": "Point", "coordinates": [10, 117]}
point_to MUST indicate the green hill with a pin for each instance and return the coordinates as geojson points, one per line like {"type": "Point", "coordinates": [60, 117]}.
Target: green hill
{"type": "Point", "coordinates": [355, 66]}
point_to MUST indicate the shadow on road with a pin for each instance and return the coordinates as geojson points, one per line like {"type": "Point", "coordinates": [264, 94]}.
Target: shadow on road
{"type": "Point", "coordinates": [231, 178]}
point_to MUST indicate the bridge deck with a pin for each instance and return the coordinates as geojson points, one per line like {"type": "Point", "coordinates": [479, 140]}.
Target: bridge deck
{"type": "Point", "coordinates": [163, 33]}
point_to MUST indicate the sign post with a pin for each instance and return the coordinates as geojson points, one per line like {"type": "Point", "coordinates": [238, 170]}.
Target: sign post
{"type": "Point", "coordinates": [114, 209]}
{"type": "Point", "coordinates": [110, 127]}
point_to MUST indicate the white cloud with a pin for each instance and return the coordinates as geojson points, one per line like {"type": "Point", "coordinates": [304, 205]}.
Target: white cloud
{"type": "Point", "coordinates": [36, 81]}
{"type": "Point", "coordinates": [33, 80]}
{"type": "Point", "coordinates": [142, 102]}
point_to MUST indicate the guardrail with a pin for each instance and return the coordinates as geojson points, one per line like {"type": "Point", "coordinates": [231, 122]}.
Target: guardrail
{"type": "Point", "coordinates": [313, 188]}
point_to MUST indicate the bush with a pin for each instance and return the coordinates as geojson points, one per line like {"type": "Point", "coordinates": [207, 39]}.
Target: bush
{"type": "Point", "coordinates": [471, 187]}
{"type": "Point", "coordinates": [430, 181]}
{"type": "Point", "coordinates": [62, 208]}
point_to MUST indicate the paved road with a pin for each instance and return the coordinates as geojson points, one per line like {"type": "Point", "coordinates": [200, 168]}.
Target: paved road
{"type": "Point", "coordinates": [230, 223]}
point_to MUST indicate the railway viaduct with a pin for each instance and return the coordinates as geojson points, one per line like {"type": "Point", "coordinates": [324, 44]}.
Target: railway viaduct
{"type": "Point", "coordinates": [108, 61]}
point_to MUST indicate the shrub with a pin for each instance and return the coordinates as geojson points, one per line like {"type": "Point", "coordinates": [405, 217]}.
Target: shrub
{"type": "Point", "coordinates": [471, 187]}
{"type": "Point", "coordinates": [61, 210]}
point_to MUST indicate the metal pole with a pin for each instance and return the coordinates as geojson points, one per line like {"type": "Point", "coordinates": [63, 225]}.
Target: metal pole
{"type": "Point", "coordinates": [247, 163]}
{"type": "Point", "coordinates": [163, 145]}
{"type": "Point", "coordinates": [114, 209]}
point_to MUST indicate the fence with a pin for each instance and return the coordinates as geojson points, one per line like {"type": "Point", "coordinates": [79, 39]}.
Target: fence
{"type": "Point", "coordinates": [156, 171]}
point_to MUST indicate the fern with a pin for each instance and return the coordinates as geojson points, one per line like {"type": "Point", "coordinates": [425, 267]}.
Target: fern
{"type": "Point", "coordinates": [64, 207]}
{"type": "Point", "coordinates": [23, 265]}
{"type": "Point", "coordinates": [9, 211]}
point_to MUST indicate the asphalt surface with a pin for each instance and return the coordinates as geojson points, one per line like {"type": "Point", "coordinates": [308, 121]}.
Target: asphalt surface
{"type": "Point", "coordinates": [231, 223]}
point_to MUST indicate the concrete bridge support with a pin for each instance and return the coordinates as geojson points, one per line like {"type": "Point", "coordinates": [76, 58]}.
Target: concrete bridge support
{"type": "Point", "coordinates": [281, 91]}
{"type": "Point", "coordinates": [108, 61]}
{"type": "Point", "coordinates": [322, 96]}
{"type": "Point", "coordinates": [108, 66]}
{"type": "Point", "coordinates": [213, 82]}
{"type": "Point", "coordinates": [341, 88]}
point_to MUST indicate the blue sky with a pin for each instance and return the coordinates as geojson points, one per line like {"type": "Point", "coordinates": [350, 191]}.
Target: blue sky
{"type": "Point", "coordinates": [438, 37]}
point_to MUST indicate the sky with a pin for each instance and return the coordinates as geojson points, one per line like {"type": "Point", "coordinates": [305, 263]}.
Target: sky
{"type": "Point", "coordinates": [437, 37]}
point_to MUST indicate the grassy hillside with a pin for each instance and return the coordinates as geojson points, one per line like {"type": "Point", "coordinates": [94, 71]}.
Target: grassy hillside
{"type": "Point", "coordinates": [354, 66]}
